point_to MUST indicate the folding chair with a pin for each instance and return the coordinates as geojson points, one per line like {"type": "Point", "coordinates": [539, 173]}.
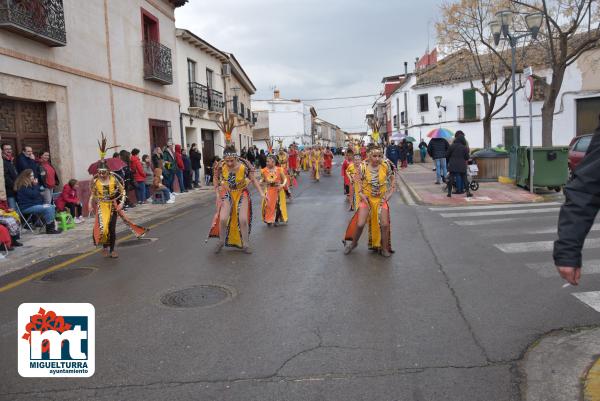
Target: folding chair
{"type": "Point", "coordinates": [31, 220]}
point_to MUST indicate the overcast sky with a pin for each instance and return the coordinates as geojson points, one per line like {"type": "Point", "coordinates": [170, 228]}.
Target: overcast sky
{"type": "Point", "coordinates": [312, 49]}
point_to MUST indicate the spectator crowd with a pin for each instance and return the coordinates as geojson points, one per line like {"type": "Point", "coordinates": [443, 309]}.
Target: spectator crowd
{"type": "Point", "coordinates": [34, 197]}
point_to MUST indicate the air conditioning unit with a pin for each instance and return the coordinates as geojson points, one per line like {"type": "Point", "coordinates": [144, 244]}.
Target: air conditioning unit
{"type": "Point", "coordinates": [226, 70]}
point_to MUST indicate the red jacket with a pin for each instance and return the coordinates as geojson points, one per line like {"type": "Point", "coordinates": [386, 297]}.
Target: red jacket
{"type": "Point", "coordinates": [137, 169]}
{"type": "Point", "coordinates": [178, 157]}
{"type": "Point", "coordinates": [68, 195]}
{"type": "Point", "coordinates": [344, 168]}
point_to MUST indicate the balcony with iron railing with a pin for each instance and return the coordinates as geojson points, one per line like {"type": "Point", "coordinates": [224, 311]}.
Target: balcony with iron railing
{"type": "Point", "coordinates": [158, 64]}
{"type": "Point", "coordinates": [40, 20]}
{"type": "Point", "coordinates": [469, 113]}
{"type": "Point", "coordinates": [216, 102]}
{"type": "Point", "coordinates": [198, 95]}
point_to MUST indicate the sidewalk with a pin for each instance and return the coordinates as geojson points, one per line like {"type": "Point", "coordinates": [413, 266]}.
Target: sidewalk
{"type": "Point", "coordinates": [563, 366]}
{"type": "Point", "coordinates": [419, 178]}
{"type": "Point", "coordinates": [39, 247]}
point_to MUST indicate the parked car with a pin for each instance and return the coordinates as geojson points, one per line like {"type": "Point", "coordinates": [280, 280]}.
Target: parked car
{"type": "Point", "coordinates": [577, 148]}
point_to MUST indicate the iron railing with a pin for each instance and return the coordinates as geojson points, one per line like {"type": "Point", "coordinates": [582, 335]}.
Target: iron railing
{"type": "Point", "coordinates": [215, 101]}
{"type": "Point", "coordinates": [158, 65]}
{"type": "Point", "coordinates": [468, 113]}
{"type": "Point", "coordinates": [198, 95]}
{"type": "Point", "coordinates": [40, 20]}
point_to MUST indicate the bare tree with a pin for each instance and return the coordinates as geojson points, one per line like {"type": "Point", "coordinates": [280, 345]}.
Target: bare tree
{"type": "Point", "coordinates": [464, 29]}
{"type": "Point", "coordinates": [570, 28]}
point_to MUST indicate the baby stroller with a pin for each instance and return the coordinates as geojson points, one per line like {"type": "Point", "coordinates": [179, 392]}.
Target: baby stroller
{"type": "Point", "coordinates": [472, 172]}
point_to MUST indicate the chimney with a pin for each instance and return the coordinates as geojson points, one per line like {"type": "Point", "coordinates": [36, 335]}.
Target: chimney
{"type": "Point", "coordinates": [276, 94]}
{"type": "Point", "coordinates": [405, 69]}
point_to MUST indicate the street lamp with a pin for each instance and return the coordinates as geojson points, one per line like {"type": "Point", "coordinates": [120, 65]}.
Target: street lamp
{"type": "Point", "coordinates": [501, 30]}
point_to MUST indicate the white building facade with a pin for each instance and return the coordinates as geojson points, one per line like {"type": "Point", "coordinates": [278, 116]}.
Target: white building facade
{"type": "Point", "coordinates": [212, 86]}
{"type": "Point", "coordinates": [290, 121]}
{"type": "Point", "coordinates": [414, 111]}
{"type": "Point", "coordinates": [80, 68]}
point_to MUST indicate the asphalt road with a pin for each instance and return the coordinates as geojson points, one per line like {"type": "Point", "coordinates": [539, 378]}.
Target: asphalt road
{"type": "Point", "coordinates": [447, 317]}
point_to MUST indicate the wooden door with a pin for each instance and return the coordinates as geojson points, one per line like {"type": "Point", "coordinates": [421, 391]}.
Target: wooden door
{"type": "Point", "coordinates": [24, 124]}
{"type": "Point", "coordinates": [159, 133]}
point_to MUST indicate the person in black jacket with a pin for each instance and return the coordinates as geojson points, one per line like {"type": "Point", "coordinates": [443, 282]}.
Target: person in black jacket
{"type": "Point", "coordinates": [195, 158]}
{"type": "Point", "coordinates": [262, 159]}
{"type": "Point", "coordinates": [458, 154]}
{"type": "Point", "coordinates": [437, 149]}
{"type": "Point", "coordinates": [578, 213]}
{"type": "Point", "coordinates": [26, 160]}
{"type": "Point", "coordinates": [10, 175]}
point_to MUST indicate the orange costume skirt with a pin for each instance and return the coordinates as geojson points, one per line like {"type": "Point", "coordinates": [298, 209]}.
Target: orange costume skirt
{"type": "Point", "coordinates": [377, 208]}
{"type": "Point", "coordinates": [274, 208]}
{"type": "Point", "coordinates": [233, 238]}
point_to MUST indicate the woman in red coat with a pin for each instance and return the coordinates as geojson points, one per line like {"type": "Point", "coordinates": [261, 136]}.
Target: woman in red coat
{"type": "Point", "coordinates": [69, 198]}
{"type": "Point", "coordinates": [328, 160]}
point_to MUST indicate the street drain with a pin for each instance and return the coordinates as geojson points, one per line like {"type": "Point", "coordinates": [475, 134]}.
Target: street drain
{"type": "Point", "coordinates": [197, 296]}
{"type": "Point", "coordinates": [331, 250]}
{"type": "Point", "coordinates": [67, 274]}
{"type": "Point", "coordinates": [136, 242]}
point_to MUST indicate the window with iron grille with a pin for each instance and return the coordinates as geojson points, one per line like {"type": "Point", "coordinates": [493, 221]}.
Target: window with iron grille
{"type": "Point", "coordinates": [395, 120]}
{"type": "Point", "coordinates": [242, 109]}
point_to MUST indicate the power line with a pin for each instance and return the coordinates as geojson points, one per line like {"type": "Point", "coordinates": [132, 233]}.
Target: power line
{"type": "Point", "coordinates": [322, 99]}
{"type": "Point", "coordinates": [343, 107]}
{"type": "Point", "coordinates": [339, 98]}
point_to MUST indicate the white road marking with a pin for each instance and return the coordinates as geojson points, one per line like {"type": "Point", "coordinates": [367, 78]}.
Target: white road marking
{"type": "Point", "coordinates": [547, 269]}
{"type": "Point", "coordinates": [491, 207]}
{"type": "Point", "coordinates": [553, 229]}
{"type": "Point", "coordinates": [493, 221]}
{"type": "Point", "coordinates": [500, 212]}
{"type": "Point", "coordinates": [591, 299]}
{"type": "Point", "coordinates": [540, 246]}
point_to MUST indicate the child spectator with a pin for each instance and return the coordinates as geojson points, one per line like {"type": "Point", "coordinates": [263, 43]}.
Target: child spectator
{"type": "Point", "coordinates": [69, 198]}
{"type": "Point", "coordinates": [10, 219]}
{"type": "Point", "coordinates": [158, 186]}
{"type": "Point", "coordinates": [146, 162]}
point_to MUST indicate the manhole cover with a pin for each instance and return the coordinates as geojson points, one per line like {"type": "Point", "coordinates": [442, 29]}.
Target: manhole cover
{"type": "Point", "coordinates": [197, 296]}
{"type": "Point", "coordinates": [67, 274]}
{"type": "Point", "coordinates": [136, 242]}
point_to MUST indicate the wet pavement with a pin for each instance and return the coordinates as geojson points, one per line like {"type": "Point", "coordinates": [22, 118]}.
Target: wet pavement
{"type": "Point", "coordinates": [447, 317]}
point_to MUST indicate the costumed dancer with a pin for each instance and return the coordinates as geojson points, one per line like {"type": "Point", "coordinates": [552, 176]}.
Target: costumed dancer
{"type": "Point", "coordinates": [376, 184]}
{"type": "Point", "coordinates": [327, 160]}
{"type": "Point", "coordinates": [315, 162]}
{"type": "Point", "coordinates": [352, 175]}
{"type": "Point", "coordinates": [347, 161]}
{"type": "Point", "coordinates": [283, 160]}
{"type": "Point", "coordinates": [293, 160]}
{"type": "Point", "coordinates": [274, 207]}
{"type": "Point", "coordinates": [108, 192]}
{"type": "Point", "coordinates": [233, 219]}
{"type": "Point", "coordinates": [304, 158]}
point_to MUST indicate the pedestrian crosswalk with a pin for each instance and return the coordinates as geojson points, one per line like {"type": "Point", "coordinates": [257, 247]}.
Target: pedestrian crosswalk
{"type": "Point", "coordinates": [526, 232]}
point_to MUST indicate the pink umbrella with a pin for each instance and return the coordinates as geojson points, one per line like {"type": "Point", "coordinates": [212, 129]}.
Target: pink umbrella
{"type": "Point", "coordinates": [114, 164]}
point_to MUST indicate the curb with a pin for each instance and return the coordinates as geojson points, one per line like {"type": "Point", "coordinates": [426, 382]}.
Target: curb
{"type": "Point", "coordinates": [33, 261]}
{"type": "Point", "coordinates": [555, 366]}
{"type": "Point", "coordinates": [412, 192]}
{"type": "Point", "coordinates": [591, 387]}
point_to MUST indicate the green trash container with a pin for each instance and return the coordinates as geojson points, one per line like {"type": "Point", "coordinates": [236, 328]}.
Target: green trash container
{"type": "Point", "coordinates": [551, 168]}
